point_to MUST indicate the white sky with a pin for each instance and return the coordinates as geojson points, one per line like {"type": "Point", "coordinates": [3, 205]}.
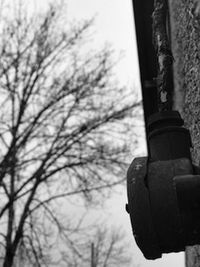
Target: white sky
{"type": "Point", "coordinates": [114, 24]}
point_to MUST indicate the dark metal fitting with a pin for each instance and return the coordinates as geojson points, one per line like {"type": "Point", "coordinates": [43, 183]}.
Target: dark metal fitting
{"type": "Point", "coordinates": [140, 209]}
{"type": "Point", "coordinates": [167, 138]}
{"type": "Point", "coordinates": [164, 190]}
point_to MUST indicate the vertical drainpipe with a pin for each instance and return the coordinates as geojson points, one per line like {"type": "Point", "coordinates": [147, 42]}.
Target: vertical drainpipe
{"type": "Point", "coordinates": [143, 10]}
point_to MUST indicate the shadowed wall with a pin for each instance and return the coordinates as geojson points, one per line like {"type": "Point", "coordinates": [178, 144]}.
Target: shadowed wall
{"type": "Point", "coordinates": [185, 34]}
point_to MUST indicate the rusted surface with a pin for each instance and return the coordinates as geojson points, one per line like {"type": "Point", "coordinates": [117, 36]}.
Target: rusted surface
{"type": "Point", "coordinates": [164, 55]}
{"type": "Point", "coordinates": [140, 210]}
{"type": "Point", "coordinates": [158, 201]}
{"type": "Point", "coordinates": [187, 189]}
{"type": "Point", "coordinates": [164, 205]}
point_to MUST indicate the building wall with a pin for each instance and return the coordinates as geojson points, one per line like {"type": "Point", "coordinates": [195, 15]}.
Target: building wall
{"type": "Point", "coordinates": [185, 34]}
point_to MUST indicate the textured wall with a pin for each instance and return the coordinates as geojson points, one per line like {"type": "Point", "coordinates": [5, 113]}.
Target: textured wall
{"type": "Point", "coordinates": [185, 31]}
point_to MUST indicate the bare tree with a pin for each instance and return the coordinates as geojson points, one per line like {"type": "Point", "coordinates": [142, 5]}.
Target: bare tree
{"type": "Point", "coordinates": [63, 129]}
{"type": "Point", "coordinates": [102, 248]}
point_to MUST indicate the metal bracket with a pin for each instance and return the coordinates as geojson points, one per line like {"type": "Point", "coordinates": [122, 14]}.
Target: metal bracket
{"type": "Point", "coordinates": [140, 210]}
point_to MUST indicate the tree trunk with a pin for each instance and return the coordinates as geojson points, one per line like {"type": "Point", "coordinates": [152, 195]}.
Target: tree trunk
{"type": "Point", "coordinates": [185, 29]}
{"type": "Point", "coordinates": [9, 257]}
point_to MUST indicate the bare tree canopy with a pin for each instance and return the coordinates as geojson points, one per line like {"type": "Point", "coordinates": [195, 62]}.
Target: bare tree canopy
{"type": "Point", "coordinates": [102, 248]}
{"type": "Point", "coordinates": [63, 128]}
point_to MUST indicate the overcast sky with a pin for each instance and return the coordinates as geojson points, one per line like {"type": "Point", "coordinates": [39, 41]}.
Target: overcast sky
{"type": "Point", "coordinates": [114, 24]}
